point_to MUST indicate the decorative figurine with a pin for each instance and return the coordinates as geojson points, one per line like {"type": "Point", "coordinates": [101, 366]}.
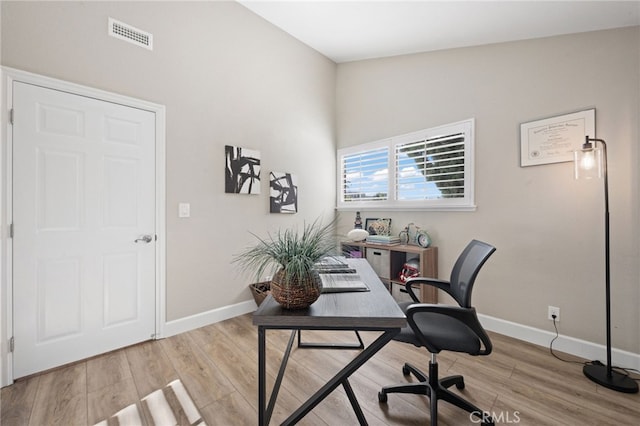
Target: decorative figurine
{"type": "Point", "coordinates": [413, 235]}
{"type": "Point", "coordinates": [358, 223]}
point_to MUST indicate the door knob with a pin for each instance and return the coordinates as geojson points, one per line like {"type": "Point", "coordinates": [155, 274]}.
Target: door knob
{"type": "Point", "coordinates": [144, 238]}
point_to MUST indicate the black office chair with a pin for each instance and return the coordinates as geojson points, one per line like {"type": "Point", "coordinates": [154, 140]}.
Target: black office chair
{"type": "Point", "coordinates": [445, 328]}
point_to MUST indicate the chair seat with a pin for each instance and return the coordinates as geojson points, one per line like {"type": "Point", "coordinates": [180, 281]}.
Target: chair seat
{"type": "Point", "coordinates": [442, 332]}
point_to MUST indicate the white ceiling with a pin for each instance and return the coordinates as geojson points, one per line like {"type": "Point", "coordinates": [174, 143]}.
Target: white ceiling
{"type": "Point", "coordinates": [363, 29]}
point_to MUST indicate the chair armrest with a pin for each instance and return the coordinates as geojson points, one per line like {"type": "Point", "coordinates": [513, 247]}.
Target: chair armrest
{"type": "Point", "coordinates": [433, 282]}
{"type": "Point", "coordinates": [466, 316]}
{"type": "Point", "coordinates": [409, 290]}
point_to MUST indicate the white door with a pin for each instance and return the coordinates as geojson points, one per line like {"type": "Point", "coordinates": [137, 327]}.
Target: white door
{"type": "Point", "coordinates": [83, 202]}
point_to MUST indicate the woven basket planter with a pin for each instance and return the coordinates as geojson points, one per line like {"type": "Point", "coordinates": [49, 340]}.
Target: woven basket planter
{"type": "Point", "coordinates": [298, 295]}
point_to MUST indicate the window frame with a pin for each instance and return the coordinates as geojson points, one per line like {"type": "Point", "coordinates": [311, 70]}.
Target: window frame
{"type": "Point", "coordinates": [466, 203]}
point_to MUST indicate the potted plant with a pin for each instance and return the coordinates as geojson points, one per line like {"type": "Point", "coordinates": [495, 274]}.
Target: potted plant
{"type": "Point", "coordinates": [289, 256]}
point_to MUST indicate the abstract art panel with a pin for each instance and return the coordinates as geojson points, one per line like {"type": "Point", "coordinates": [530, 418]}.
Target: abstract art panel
{"type": "Point", "coordinates": [284, 193]}
{"type": "Point", "coordinates": [242, 170]}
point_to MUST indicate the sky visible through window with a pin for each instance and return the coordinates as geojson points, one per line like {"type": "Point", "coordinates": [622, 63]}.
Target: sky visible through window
{"type": "Point", "coordinates": [367, 177]}
{"type": "Point", "coordinates": [412, 184]}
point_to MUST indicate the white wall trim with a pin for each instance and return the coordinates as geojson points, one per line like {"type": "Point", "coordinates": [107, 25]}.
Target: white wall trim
{"type": "Point", "coordinates": [209, 317]}
{"type": "Point", "coordinates": [7, 77]}
{"type": "Point", "coordinates": [567, 344]}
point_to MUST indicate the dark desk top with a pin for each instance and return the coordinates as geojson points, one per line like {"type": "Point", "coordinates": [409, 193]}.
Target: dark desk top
{"type": "Point", "coordinates": [374, 309]}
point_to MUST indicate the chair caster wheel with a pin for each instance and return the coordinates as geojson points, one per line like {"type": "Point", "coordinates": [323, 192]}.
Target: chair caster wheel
{"type": "Point", "coordinates": [460, 385]}
{"type": "Point", "coordinates": [405, 370]}
{"type": "Point", "coordinates": [489, 422]}
{"type": "Point", "coordinates": [382, 397]}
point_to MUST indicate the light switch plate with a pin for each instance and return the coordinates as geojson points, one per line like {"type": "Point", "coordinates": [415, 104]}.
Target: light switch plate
{"type": "Point", "coordinates": [184, 210]}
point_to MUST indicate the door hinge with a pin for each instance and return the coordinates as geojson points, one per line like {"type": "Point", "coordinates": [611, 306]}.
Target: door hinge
{"type": "Point", "coordinates": [156, 237]}
{"type": "Point", "coordinates": [12, 344]}
{"type": "Point", "coordinates": [11, 230]}
{"type": "Point", "coordinates": [11, 116]}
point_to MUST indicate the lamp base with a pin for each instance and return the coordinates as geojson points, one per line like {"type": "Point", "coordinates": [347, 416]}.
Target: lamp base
{"type": "Point", "coordinates": [617, 381]}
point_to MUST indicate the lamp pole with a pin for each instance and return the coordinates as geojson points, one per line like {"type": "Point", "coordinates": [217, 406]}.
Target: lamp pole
{"type": "Point", "coordinates": [604, 374]}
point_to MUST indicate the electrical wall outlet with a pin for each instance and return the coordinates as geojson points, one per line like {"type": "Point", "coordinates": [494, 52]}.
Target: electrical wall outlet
{"type": "Point", "coordinates": [554, 311]}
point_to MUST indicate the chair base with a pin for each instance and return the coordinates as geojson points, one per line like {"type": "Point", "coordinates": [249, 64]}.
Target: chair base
{"type": "Point", "coordinates": [436, 389]}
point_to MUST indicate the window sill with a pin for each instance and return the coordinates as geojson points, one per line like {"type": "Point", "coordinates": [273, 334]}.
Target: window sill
{"type": "Point", "coordinates": [385, 208]}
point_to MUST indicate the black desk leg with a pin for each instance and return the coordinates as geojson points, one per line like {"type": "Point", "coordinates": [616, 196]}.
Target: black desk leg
{"type": "Point", "coordinates": [262, 381]}
{"type": "Point", "coordinates": [341, 377]}
{"type": "Point", "coordinates": [303, 345]}
{"type": "Point", "coordinates": [265, 411]}
{"type": "Point", "coordinates": [278, 382]}
{"type": "Point", "coordinates": [354, 402]}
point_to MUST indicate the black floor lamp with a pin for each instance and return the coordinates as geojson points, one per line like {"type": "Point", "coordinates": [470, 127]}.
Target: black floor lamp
{"type": "Point", "coordinates": [591, 161]}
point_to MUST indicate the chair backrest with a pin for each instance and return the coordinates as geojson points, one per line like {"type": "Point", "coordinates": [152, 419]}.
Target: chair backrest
{"type": "Point", "coordinates": [466, 269]}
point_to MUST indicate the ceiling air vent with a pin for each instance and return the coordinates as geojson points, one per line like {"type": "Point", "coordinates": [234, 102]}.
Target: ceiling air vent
{"type": "Point", "coordinates": [131, 34]}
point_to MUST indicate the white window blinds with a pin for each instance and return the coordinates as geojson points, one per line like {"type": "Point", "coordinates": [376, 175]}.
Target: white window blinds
{"type": "Point", "coordinates": [365, 175]}
{"type": "Point", "coordinates": [429, 169]}
{"type": "Point", "coordinates": [432, 168]}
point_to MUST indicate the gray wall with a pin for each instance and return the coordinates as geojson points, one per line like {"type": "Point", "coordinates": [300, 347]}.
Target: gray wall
{"type": "Point", "coordinates": [226, 77]}
{"type": "Point", "coordinates": [548, 228]}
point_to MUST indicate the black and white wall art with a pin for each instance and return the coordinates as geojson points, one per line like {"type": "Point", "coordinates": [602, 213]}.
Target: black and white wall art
{"type": "Point", "coordinates": [283, 193]}
{"type": "Point", "coordinates": [242, 170]}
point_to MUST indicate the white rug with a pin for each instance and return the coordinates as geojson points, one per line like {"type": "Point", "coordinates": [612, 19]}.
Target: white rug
{"type": "Point", "coordinates": [169, 406]}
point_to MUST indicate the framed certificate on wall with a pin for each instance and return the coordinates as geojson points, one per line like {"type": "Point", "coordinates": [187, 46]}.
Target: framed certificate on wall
{"type": "Point", "coordinates": [553, 140]}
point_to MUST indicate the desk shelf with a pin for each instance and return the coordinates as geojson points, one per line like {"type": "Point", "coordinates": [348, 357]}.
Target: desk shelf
{"type": "Point", "coordinates": [388, 260]}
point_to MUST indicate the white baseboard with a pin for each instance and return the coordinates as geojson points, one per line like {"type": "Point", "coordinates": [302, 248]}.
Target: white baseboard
{"type": "Point", "coordinates": [567, 344]}
{"type": "Point", "coordinates": [570, 345]}
{"type": "Point", "coordinates": [182, 325]}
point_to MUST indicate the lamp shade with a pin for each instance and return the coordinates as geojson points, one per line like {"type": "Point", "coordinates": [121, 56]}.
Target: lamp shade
{"type": "Point", "coordinates": [588, 162]}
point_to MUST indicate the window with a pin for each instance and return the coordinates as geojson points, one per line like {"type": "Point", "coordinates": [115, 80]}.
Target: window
{"type": "Point", "coordinates": [428, 169]}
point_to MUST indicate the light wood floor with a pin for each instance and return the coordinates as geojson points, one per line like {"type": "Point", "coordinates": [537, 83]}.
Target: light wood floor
{"type": "Point", "coordinates": [520, 383]}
